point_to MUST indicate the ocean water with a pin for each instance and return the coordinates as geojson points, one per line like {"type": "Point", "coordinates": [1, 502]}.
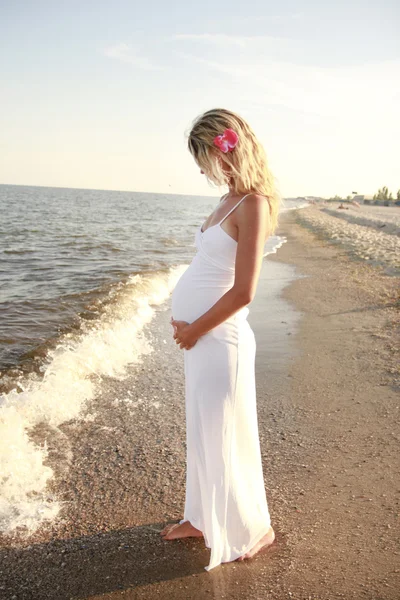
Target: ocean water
{"type": "Point", "coordinates": [82, 273]}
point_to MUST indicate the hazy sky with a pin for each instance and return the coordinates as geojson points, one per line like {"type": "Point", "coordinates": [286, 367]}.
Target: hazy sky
{"type": "Point", "coordinates": [100, 94]}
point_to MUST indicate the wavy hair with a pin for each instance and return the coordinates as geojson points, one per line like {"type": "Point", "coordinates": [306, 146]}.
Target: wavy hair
{"type": "Point", "coordinates": [246, 165]}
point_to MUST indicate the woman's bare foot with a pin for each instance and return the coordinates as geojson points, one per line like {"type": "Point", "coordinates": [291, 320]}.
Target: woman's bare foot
{"type": "Point", "coordinates": [263, 543]}
{"type": "Point", "coordinates": [180, 530]}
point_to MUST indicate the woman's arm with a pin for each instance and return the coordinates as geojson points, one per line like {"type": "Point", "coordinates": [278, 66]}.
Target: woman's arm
{"type": "Point", "coordinates": [252, 222]}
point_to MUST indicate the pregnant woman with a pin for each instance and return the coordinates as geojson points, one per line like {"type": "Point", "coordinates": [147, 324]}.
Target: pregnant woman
{"type": "Point", "coordinates": [225, 495]}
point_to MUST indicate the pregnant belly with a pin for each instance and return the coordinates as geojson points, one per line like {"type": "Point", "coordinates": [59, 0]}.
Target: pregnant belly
{"type": "Point", "coordinates": [196, 292]}
{"type": "Point", "coordinates": [192, 297]}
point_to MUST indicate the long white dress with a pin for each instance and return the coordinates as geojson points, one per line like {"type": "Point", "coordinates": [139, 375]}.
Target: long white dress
{"type": "Point", "coordinates": [225, 494]}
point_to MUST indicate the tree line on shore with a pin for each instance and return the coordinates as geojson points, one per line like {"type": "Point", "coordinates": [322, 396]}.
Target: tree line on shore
{"type": "Point", "coordinates": [382, 195]}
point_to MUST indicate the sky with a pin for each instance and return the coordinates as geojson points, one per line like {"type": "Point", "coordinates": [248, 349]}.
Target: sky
{"type": "Point", "coordinates": [102, 95]}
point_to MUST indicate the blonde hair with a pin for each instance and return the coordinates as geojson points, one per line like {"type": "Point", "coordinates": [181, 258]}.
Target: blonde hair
{"type": "Point", "coordinates": [248, 165]}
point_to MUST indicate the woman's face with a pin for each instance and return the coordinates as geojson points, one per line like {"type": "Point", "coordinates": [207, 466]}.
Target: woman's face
{"type": "Point", "coordinates": [223, 165]}
{"type": "Point", "coordinates": [218, 158]}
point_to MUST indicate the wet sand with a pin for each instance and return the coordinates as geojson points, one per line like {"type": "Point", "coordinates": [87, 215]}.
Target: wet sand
{"type": "Point", "coordinates": [328, 406]}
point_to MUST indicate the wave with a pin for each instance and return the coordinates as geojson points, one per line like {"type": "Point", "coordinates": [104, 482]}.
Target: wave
{"type": "Point", "coordinates": [68, 378]}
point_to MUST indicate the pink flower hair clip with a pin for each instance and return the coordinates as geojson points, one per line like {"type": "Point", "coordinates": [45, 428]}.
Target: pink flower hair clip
{"type": "Point", "coordinates": [227, 141]}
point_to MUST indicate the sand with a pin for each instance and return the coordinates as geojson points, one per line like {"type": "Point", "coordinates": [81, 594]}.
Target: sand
{"type": "Point", "coordinates": [367, 234]}
{"type": "Point", "coordinates": [328, 405]}
{"type": "Point", "coordinates": [386, 218]}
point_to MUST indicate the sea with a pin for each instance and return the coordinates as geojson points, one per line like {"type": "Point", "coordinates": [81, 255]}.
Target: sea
{"type": "Point", "coordinates": [82, 273]}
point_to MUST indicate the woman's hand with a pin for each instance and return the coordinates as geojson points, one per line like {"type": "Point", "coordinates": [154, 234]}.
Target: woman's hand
{"type": "Point", "coordinates": [183, 334]}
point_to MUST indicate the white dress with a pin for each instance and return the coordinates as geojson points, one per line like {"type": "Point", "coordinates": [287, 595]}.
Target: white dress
{"type": "Point", "coordinates": [225, 494]}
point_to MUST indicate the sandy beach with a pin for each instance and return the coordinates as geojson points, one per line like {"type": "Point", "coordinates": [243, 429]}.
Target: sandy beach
{"type": "Point", "coordinates": [370, 233]}
{"type": "Point", "coordinates": [382, 218]}
{"type": "Point", "coordinates": [326, 323]}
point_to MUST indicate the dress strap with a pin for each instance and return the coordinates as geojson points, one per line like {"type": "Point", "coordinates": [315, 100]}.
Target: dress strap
{"type": "Point", "coordinates": [232, 209]}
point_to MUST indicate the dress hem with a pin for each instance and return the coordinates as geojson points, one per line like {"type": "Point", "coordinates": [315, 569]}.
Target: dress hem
{"type": "Point", "coordinates": [249, 546]}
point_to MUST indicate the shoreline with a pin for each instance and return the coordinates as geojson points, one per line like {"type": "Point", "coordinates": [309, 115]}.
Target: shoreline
{"type": "Point", "coordinates": [317, 412]}
{"type": "Point", "coordinates": [373, 238]}
{"type": "Point", "coordinates": [343, 526]}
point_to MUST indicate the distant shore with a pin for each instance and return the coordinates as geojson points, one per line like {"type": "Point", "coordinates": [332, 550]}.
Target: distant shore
{"type": "Point", "coordinates": [325, 323]}
{"type": "Point", "coordinates": [368, 233]}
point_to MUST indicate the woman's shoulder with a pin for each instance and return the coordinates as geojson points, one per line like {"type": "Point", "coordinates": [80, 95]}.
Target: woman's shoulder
{"type": "Point", "coordinates": [255, 205]}
{"type": "Point", "coordinates": [256, 198]}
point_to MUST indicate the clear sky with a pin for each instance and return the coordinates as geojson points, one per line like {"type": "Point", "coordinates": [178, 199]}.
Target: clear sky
{"type": "Point", "coordinates": [100, 94]}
